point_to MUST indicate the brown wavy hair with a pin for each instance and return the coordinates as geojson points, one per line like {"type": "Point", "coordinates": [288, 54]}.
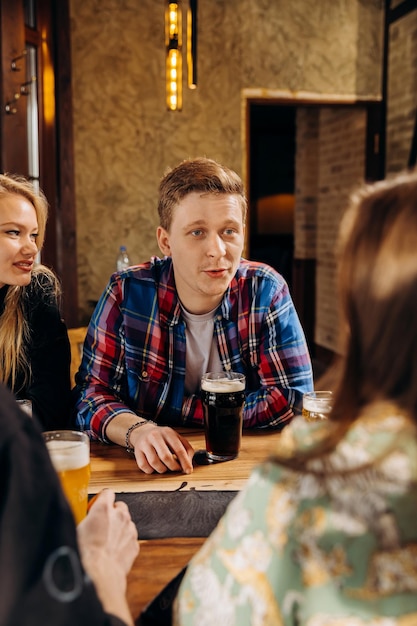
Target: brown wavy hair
{"type": "Point", "coordinates": [377, 280]}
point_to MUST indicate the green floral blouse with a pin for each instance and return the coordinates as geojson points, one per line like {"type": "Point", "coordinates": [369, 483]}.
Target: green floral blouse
{"type": "Point", "coordinates": [334, 545]}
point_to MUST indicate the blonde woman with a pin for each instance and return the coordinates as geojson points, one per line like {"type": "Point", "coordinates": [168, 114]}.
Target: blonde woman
{"type": "Point", "coordinates": [325, 532]}
{"type": "Point", "coordinates": [34, 346]}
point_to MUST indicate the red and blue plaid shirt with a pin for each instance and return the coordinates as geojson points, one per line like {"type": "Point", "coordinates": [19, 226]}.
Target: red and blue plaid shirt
{"type": "Point", "coordinates": [134, 353]}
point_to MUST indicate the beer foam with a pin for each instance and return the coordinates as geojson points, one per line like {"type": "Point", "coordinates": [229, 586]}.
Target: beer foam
{"type": "Point", "coordinates": [317, 406]}
{"type": "Point", "coordinates": [68, 455]}
{"type": "Point", "coordinates": [223, 385]}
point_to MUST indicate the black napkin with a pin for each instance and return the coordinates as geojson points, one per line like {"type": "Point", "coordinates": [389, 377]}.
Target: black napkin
{"type": "Point", "coordinates": [164, 514]}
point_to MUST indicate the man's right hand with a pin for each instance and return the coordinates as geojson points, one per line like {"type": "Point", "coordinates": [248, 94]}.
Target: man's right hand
{"type": "Point", "coordinates": [161, 449]}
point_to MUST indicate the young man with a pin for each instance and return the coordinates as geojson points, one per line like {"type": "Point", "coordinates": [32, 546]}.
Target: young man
{"type": "Point", "coordinates": [160, 325]}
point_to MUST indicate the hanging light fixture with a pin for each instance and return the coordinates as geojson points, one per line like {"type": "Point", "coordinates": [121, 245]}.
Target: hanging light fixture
{"type": "Point", "coordinates": [192, 44]}
{"type": "Point", "coordinates": [173, 42]}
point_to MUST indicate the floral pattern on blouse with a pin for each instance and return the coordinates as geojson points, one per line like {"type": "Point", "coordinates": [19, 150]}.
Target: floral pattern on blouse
{"type": "Point", "coordinates": [334, 545]}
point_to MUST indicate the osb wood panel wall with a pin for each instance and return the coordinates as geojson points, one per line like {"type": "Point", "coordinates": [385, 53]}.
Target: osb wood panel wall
{"type": "Point", "coordinates": [124, 137]}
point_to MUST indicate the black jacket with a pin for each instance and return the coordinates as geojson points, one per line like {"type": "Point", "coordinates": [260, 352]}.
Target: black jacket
{"type": "Point", "coordinates": [49, 355]}
{"type": "Point", "coordinates": [42, 579]}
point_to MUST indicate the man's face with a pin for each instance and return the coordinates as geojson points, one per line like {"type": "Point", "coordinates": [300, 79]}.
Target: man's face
{"type": "Point", "coordinates": [205, 242]}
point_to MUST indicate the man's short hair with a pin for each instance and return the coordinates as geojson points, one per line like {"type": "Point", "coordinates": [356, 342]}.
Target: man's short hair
{"type": "Point", "coordinates": [197, 175]}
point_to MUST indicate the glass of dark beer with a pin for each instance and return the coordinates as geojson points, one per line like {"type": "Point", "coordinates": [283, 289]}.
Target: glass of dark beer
{"type": "Point", "coordinates": [223, 395]}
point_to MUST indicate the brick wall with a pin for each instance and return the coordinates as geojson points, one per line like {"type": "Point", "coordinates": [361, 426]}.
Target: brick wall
{"type": "Point", "coordinates": [402, 91]}
{"type": "Point", "coordinates": [330, 163]}
{"type": "Point", "coordinates": [306, 182]}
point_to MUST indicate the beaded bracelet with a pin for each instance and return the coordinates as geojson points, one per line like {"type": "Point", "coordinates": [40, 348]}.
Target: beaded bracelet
{"type": "Point", "coordinates": [132, 428]}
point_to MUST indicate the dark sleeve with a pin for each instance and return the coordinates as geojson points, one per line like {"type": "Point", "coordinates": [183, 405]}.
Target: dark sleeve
{"type": "Point", "coordinates": [42, 578]}
{"type": "Point", "coordinates": [50, 358]}
{"type": "Point", "coordinates": [114, 621]}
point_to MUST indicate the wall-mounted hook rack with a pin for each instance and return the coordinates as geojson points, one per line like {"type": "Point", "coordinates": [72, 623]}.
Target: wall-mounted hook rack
{"type": "Point", "coordinates": [14, 66]}
{"type": "Point", "coordinates": [10, 106]}
{"type": "Point", "coordinates": [25, 87]}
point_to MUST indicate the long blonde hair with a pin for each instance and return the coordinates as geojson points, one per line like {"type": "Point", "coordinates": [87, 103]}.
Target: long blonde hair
{"type": "Point", "coordinates": [14, 327]}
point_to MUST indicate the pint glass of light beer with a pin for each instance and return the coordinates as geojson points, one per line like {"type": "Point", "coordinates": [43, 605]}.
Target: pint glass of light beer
{"type": "Point", "coordinates": [223, 395]}
{"type": "Point", "coordinates": [317, 405]}
{"type": "Point", "coordinates": [70, 455]}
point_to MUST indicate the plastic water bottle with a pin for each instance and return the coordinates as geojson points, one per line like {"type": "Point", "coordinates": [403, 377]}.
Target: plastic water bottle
{"type": "Point", "coordinates": [122, 259]}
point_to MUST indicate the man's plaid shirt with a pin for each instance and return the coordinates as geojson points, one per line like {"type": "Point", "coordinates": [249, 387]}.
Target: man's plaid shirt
{"type": "Point", "coordinates": [134, 353]}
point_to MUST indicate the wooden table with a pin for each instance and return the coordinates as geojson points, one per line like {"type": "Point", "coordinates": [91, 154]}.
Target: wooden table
{"type": "Point", "coordinates": [160, 560]}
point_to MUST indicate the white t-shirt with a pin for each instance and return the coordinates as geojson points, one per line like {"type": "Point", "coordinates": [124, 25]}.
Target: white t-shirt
{"type": "Point", "coordinates": [201, 354]}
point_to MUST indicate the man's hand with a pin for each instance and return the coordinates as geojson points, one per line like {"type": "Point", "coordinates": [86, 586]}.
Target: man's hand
{"type": "Point", "coordinates": [161, 449]}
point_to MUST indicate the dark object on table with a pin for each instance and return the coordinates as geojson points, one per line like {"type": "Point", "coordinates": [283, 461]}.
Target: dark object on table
{"type": "Point", "coordinates": [188, 513]}
{"type": "Point", "coordinates": [159, 611]}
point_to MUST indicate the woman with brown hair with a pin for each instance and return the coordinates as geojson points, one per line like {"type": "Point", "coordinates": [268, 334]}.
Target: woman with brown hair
{"type": "Point", "coordinates": [325, 532]}
{"type": "Point", "coordinates": [34, 346]}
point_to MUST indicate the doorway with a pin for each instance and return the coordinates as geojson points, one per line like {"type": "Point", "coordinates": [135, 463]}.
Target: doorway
{"type": "Point", "coordinates": [303, 157]}
{"type": "Point", "coordinates": [272, 185]}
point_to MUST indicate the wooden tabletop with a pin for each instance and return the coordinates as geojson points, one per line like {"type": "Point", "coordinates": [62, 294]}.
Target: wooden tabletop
{"type": "Point", "coordinates": [113, 467]}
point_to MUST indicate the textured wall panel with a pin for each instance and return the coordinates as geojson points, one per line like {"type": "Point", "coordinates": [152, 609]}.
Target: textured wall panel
{"type": "Point", "coordinates": [124, 137]}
